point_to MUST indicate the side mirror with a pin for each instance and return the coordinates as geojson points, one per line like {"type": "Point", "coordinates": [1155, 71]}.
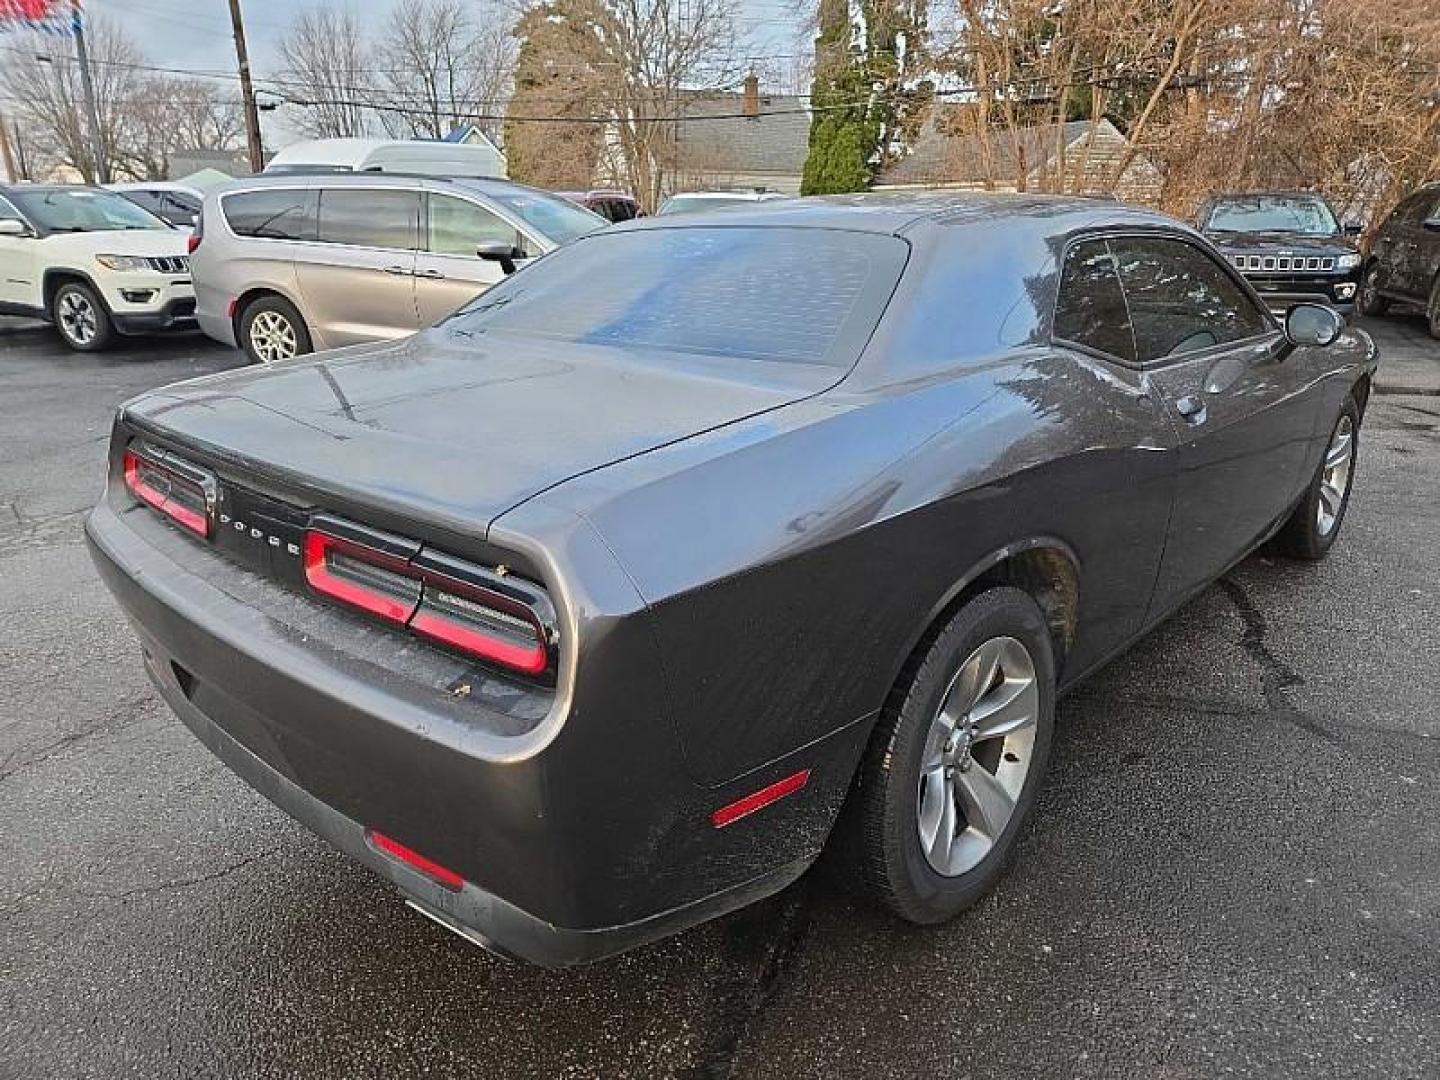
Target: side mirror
{"type": "Point", "coordinates": [1313, 324]}
{"type": "Point", "coordinates": [1353, 228]}
{"type": "Point", "coordinates": [13, 227]}
{"type": "Point", "coordinates": [501, 252]}
{"type": "Point", "coordinates": [1432, 223]}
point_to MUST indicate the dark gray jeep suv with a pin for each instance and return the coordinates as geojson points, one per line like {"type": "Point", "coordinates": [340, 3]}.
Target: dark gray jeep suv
{"type": "Point", "coordinates": [1404, 262]}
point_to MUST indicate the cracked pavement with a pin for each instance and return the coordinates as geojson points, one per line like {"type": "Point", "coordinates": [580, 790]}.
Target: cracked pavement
{"type": "Point", "coordinates": [1234, 869]}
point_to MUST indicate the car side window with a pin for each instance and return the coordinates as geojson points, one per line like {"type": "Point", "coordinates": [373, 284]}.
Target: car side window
{"type": "Point", "coordinates": [271, 214]}
{"type": "Point", "coordinates": [1180, 299]}
{"type": "Point", "coordinates": [458, 227]}
{"type": "Point", "coordinates": [373, 218]}
{"type": "Point", "coordinates": [1090, 306]}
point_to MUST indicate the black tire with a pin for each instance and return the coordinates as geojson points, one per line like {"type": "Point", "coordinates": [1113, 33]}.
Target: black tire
{"type": "Point", "coordinates": [81, 317]}
{"type": "Point", "coordinates": [1369, 301]}
{"type": "Point", "coordinates": [1305, 534]}
{"type": "Point", "coordinates": [894, 869]}
{"type": "Point", "coordinates": [1432, 310]}
{"type": "Point", "coordinates": [276, 310]}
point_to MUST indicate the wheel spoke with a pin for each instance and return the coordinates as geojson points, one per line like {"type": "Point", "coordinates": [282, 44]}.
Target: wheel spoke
{"type": "Point", "coordinates": [1008, 708]}
{"type": "Point", "coordinates": [1330, 496]}
{"type": "Point", "coordinates": [937, 818]}
{"type": "Point", "coordinates": [975, 677]}
{"type": "Point", "coordinates": [1339, 452]}
{"type": "Point", "coordinates": [986, 803]}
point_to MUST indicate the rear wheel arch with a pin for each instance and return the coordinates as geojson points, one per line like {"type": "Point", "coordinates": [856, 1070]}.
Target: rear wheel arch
{"type": "Point", "coordinates": [249, 296]}
{"type": "Point", "coordinates": [1045, 567]}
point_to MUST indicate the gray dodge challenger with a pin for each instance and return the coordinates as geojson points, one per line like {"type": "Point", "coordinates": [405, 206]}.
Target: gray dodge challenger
{"type": "Point", "coordinates": [600, 608]}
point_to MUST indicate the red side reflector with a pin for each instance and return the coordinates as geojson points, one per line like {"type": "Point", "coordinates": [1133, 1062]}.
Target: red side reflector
{"type": "Point", "coordinates": [140, 475]}
{"type": "Point", "coordinates": [446, 879]}
{"type": "Point", "coordinates": [230, 307]}
{"type": "Point", "coordinates": [756, 800]}
{"type": "Point", "coordinates": [323, 553]}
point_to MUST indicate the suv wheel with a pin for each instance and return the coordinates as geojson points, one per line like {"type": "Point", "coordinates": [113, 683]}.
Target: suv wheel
{"type": "Point", "coordinates": [1370, 302]}
{"type": "Point", "coordinates": [271, 329]}
{"type": "Point", "coordinates": [1432, 310]}
{"type": "Point", "coordinates": [81, 318]}
{"type": "Point", "coordinates": [956, 760]}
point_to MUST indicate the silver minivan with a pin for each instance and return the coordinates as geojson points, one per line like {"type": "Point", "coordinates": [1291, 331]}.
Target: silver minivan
{"type": "Point", "coordinates": [286, 265]}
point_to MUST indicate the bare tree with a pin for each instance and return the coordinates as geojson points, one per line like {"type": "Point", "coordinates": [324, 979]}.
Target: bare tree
{"type": "Point", "coordinates": [325, 72]}
{"type": "Point", "coordinates": [45, 90]}
{"type": "Point", "coordinates": [441, 62]}
{"type": "Point", "coordinates": [169, 114]}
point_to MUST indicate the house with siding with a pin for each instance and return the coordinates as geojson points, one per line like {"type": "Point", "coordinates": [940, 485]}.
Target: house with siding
{"type": "Point", "coordinates": [948, 154]}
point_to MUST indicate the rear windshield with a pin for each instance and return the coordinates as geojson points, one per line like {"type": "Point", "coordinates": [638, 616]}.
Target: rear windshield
{"type": "Point", "coordinates": [803, 296]}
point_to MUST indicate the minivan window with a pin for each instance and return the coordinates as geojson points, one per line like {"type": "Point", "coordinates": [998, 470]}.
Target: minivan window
{"type": "Point", "coordinates": [270, 213]}
{"type": "Point", "coordinates": [554, 218]}
{"type": "Point", "coordinates": [804, 296]}
{"type": "Point", "coordinates": [1180, 299]}
{"type": "Point", "coordinates": [374, 218]}
{"type": "Point", "coordinates": [1090, 307]}
{"type": "Point", "coordinates": [458, 227]}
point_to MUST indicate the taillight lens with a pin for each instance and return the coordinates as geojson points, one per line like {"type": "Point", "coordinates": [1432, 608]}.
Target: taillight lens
{"type": "Point", "coordinates": [181, 494]}
{"type": "Point", "coordinates": [361, 577]}
{"type": "Point", "coordinates": [466, 607]}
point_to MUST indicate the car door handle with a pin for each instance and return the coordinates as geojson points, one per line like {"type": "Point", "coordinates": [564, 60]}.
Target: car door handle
{"type": "Point", "coordinates": [432, 273]}
{"type": "Point", "coordinates": [398, 270]}
{"type": "Point", "coordinates": [1191, 408]}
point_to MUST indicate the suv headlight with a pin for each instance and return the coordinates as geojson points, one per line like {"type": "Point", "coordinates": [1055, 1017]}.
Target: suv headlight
{"type": "Point", "coordinates": [1348, 261]}
{"type": "Point", "coordinates": [123, 262]}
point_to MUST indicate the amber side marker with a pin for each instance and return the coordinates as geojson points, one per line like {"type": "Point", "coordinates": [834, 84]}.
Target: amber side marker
{"type": "Point", "coordinates": [757, 800]}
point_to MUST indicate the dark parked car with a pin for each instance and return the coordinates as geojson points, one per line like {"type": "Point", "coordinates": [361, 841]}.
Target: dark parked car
{"type": "Point", "coordinates": [613, 206]}
{"type": "Point", "coordinates": [1404, 261]}
{"type": "Point", "coordinates": [1290, 246]}
{"type": "Point", "coordinates": [580, 616]}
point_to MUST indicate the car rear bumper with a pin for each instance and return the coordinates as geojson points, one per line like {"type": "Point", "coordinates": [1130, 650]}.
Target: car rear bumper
{"type": "Point", "coordinates": [481, 917]}
{"type": "Point", "coordinates": [218, 326]}
{"type": "Point", "coordinates": [567, 855]}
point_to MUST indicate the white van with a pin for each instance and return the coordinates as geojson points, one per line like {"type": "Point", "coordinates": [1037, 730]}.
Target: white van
{"type": "Point", "coordinates": [416, 156]}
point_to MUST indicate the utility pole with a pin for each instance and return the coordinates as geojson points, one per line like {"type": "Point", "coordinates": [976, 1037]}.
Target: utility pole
{"type": "Point", "coordinates": [11, 171]}
{"type": "Point", "coordinates": [87, 85]}
{"type": "Point", "coordinates": [247, 92]}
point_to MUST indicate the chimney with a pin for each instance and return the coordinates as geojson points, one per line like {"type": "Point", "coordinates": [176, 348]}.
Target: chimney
{"type": "Point", "coordinates": [750, 104]}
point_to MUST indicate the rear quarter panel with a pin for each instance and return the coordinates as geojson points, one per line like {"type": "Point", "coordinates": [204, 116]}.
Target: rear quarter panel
{"type": "Point", "coordinates": [791, 563]}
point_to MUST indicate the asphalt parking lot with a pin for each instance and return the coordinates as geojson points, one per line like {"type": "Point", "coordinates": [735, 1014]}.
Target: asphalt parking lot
{"type": "Point", "coordinates": [1235, 870]}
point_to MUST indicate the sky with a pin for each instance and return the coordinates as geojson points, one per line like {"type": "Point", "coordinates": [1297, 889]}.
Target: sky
{"type": "Point", "coordinates": [195, 34]}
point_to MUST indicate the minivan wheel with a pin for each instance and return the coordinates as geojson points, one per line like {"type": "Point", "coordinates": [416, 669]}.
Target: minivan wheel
{"type": "Point", "coordinates": [81, 318]}
{"type": "Point", "coordinates": [956, 760]}
{"type": "Point", "coordinates": [1370, 302]}
{"type": "Point", "coordinates": [272, 329]}
{"type": "Point", "coordinates": [1312, 528]}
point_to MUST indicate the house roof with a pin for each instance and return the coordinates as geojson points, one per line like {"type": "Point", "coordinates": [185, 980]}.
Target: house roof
{"type": "Point", "coordinates": [776, 141]}
{"type": "Point", "coordinates": [938, 157]}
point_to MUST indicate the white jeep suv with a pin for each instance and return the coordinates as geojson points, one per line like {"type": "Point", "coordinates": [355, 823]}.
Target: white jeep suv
{"type": "Point", "coordinates": [91, 262]}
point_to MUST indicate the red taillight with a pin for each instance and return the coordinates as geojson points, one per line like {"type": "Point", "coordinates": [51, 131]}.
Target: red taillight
{"type": "Point", "coordinates": [178, 497]}
{"type": "Point", "coordinates": [756, 800]}
{"type": "Point", "coordinates": [442, 876]}
{"type": "Point", "coordinates": [457, 604]}
{"type": "Point", "coordinates": [359, 576]}
{"type": "Point", "coordinates": [192, 242]}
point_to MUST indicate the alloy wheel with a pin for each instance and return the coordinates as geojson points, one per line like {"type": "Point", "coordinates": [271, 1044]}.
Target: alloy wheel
{"type": "Point", "coordinates": [977, 756]}
{"type": "Point", "coordinates": [1335, 475]}
{"type": "Point", "coordinates": [78, 319]}
{"type": "Point", "coordinates": [272, 337]}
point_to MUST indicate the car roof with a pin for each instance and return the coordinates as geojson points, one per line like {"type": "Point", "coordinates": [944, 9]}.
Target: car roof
{"type": "Point", "coordinates": [375, 179]}
{"type": "Point", "coordinates": [915, 213]}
